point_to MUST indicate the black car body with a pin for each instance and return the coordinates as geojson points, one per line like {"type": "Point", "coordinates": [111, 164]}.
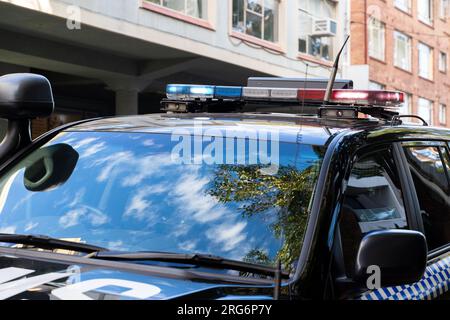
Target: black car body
{"type": "Point", "coordinates": [321, 271]}
{"type": "Point", "coordinates": [195, 206]}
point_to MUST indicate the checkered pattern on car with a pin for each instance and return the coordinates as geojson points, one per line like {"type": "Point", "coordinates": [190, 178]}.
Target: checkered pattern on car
{"type": "Point", "coordinates": [434, 283]}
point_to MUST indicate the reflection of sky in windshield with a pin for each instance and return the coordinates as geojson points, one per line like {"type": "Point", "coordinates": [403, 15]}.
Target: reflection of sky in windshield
{"type": "Point", "coordinates": [126, 194]}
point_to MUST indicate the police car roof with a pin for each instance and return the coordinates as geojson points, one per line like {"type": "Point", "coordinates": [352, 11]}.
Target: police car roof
{"type": "Point", "coordinates": [313, 130]}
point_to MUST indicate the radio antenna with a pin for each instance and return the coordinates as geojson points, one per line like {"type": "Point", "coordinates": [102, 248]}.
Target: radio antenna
{"type": "Point", "coordinates": [333, 74]}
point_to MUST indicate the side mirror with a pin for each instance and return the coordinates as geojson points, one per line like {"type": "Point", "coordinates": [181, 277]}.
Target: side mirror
{"type": "Point", "coordinates": [49, 167]}
{"type": "Point", "coordinates": [23, 97]}
{"type": "Point", "coordinates": [401, 256]}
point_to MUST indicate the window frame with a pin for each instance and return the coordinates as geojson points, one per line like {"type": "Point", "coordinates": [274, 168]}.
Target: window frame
{"type": "Point", "coordinates": [206, 23]}
{"type": "Point", "coordinates": [402, 8]}
{"type": "Point", "coordinates": [430, 76]}
{"type": "Point", "coordinates": [444, 7]}
{"type": "Point", "coordinates": [430, 121]}
{"type": "Point", "coordinates": [274, 45]}
{"type": "Point", "coordinates": [432, 254]}
{"type": "Point", "coordinates": [382, 31]}
{"type": "Point", "coordinates": [429, 21]}
{"type": "Point", "coordinates": [408, 43]}
{"type": "Point", "coordinates": [409, 197]}
{"type": "Point", "coordinates": [443, 61]}
{"type": "Point", "coordinates": [442, 112]}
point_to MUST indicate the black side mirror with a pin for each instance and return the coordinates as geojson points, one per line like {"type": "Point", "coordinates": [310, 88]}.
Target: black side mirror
{"type": "Point", "coordinates": [401, 256]}
{"type": "Point", "coordinates": [49, 167]}
{"type": "Point", "coordinates": [23, 97]}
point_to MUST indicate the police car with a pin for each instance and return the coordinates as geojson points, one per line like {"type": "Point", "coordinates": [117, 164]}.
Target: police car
{"type": "Point", "coordinates": [283, 189]}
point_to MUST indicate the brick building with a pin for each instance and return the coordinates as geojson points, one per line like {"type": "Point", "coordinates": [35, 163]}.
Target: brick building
{"type": "Point", "coordinates": [406, 46]}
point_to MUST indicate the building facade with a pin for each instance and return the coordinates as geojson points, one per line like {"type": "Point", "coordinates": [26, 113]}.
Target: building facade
{"type": "Point", "coordinates": [108, 57]}
{"type": "Point", "coordinates": [406, 45]}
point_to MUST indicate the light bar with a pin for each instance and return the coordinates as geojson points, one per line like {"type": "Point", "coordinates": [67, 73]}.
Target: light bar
{"type": "Point", "coordinates": [358, 97]}
{"type": "Point", "coordinates": [191, 92]}
{"type": "Point", "coordinates": [368, 97]}
{"type": "Point", "coordinates": [338, 96]}
{"type": "Point", "coordinates": [255, 93]}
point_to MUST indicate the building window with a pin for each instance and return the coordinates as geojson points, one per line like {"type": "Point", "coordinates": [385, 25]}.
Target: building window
{"type": "Point", "coordinates": [402, 51]}
{"type": "Point", "coordinates": [443, 8]}
{"type": "Point", "coordinates": [405, 108]}
{"type": "Point", "coordinates": [442, 61]}
{"type": "Point", "coordinates": [376, 86]}
{"type": "Point", "coordinates": [443, 114]}
{"type": "Point", "coordinates": [404, 5]}
{"type": "Point", "coordinates": [425, 61]}
{"type": "Point", "coordinates": [256, 18]}
{"type": "Point", "coordinates": [425, 110]}
{"type": "Point", "coordinates": [317, 28]}
{"type": "Point", "coordinates": [193, 8]}
{"type": "Point", "coordinates": [425, 11]}
{"type": "Point", "coordinates": [376, 31]}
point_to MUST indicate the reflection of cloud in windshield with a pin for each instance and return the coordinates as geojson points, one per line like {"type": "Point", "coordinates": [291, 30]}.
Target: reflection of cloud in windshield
{"type": "Point", "coordinates": [10, 229]}
{"type": "Point", "coordinates": [117, 246]}
{"type": "Point", "coordinates": [189, 245]}
{"type": "Point", "coordinates": [92, 150]}
{"type": "Point", "coordinates": [78, 197]}
{"type": "Point", "coordinates": [192, 199]}
{"type": "Point", "coordinates": [140, 208]}
{"type": "Point", "coordinates": [84, 142]}
{"type": "Point", "coordinates": [30, 225]}
{"type": "Point", "coordinates": [71, 218]}
{"type": "Point", "coordinates": [228, 235]}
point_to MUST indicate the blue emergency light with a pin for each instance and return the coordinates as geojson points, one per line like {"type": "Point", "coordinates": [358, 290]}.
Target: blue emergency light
{"type": "Point", "coordinates": [188, 91]}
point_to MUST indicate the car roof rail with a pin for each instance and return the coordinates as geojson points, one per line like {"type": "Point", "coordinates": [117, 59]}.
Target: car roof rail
{"type": "Point", "coordinates": [396, 119]}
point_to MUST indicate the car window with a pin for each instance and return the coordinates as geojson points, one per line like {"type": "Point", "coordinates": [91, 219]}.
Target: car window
{"type": "Point", "coordinates": [372, 201]}
{"type": "Point", "coordinates": [429, 168]}
{"type": "Point", "coordinates": [131, 192]}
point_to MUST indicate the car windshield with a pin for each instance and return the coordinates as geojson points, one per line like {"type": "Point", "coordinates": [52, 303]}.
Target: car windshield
{"type": "Point", "coordinates": [128, 192]}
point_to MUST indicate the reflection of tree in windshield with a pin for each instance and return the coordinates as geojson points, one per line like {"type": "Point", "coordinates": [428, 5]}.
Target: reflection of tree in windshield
{"type": "Point", "coordinates": [289, 192]}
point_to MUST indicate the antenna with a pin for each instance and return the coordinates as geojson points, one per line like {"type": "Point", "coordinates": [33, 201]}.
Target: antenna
{"type": "Point", "coordinates": [333, 74]}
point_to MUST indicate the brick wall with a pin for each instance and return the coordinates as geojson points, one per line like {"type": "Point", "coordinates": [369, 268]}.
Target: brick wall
{"type": "Point", "coordinates": [384, 72]}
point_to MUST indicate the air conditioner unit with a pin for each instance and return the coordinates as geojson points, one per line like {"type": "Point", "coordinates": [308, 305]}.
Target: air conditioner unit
{"type": "Point", "coordinates": [324, 27]}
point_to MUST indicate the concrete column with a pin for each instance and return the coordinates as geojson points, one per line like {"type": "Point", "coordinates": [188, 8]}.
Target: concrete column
{"type": "Point", "coordinates": [127, 101]}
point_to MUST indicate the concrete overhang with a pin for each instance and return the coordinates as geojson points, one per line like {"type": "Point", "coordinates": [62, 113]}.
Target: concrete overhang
{"type": "Point", "coordinates": [37, 36]}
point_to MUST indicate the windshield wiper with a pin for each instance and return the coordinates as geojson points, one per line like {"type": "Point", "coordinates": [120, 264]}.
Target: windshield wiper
{"type": "Point", "coordinates": [194, 258]}
{"type": "Point", "coordinates": [45, 242]}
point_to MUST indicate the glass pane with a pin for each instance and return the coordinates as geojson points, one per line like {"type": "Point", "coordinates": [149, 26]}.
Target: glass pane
{"type": "Point", "coordinates": [254, 25]}
{"type": "Point", "coordinates": [177, 5]}
{"type": "Point", "coordinates": [124, 191]}
{"type": "Point", "coordinates": [425, 110]}
{"type": "Point", "coordinates": [238, 15]}
{"type": "Point", "coordinates": [270, 20]}
{"type": "Point", "coordinates": [196, 8]}
{"type": "Point", "coordinates": [254, 5]}
{"type": "Point", "coordinates": [372, 201]}
{"type": "Point", "coordinates": [432, 188]}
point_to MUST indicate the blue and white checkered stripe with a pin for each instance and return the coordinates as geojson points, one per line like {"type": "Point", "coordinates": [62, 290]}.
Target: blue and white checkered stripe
{"type": "Point", "coordinates": [434, 283]}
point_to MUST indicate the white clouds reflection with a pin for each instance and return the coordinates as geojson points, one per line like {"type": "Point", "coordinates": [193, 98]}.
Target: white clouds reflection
{"type": "Point", "coordinates": [227, 234]}
{"type": "Point", "coordinates": [9, 229]}
{"type": "Point", "coordinates": [71, 218]}
{"type": "Point", "coordinates": [183, 191]}
{"type": "Point", "coordinates": [30, 226]}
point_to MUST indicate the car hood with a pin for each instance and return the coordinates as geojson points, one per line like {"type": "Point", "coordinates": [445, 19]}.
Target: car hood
{"type": "Point", "coordinates": [25, 278]}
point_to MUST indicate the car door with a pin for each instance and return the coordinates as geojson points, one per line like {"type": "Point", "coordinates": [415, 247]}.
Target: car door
{"type": "Point", "coordinates": [428, 164]}
{"type": "Point", "coordinates": [375, 198]}
{"type": "Point", "coordinates": [426, 169]}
